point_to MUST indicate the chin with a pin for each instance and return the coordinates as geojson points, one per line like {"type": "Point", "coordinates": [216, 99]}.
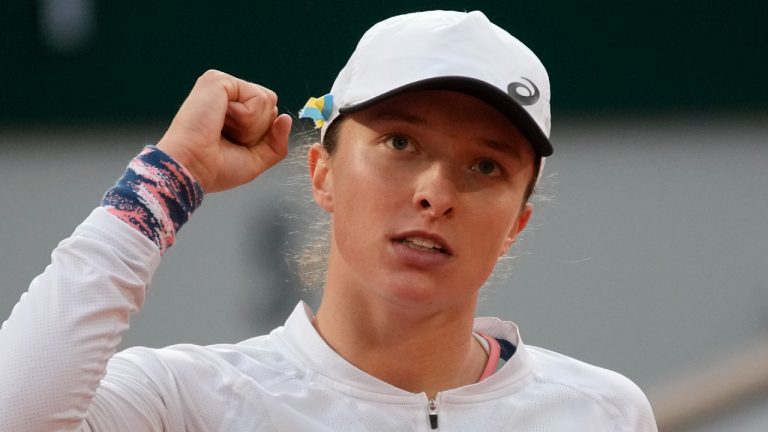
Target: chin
{"type": "Point", "coordinates": [418, 292]}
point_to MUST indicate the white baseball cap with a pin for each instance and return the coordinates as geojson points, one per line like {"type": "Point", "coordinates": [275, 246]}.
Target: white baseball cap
{"type": "Point", "coordinates": [445, 50]}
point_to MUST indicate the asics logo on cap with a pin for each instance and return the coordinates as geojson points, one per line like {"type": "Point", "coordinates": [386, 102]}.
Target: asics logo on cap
{"type": "Point", "coordinates": [530, 98]}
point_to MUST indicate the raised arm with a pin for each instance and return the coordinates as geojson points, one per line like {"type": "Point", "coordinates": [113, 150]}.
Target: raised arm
{"type": "Point", "coordinates": [55, 346]}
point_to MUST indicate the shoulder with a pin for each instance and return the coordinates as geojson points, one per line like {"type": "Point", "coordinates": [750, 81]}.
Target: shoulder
{"type": "Point", "coordinates": [606, 390]}
{"type": "Point", "coordinates": [561, 388]}
{"type": "Point", "coordinates": [246, 358]}
{"type": "Point", "coordinates": [191, 386]}
{"type": "Point", "coordinates": [185, 378]}
{"type": "Point", "coordinates": [559, 368]}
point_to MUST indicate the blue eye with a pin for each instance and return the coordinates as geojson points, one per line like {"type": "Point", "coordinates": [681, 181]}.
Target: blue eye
{"type": "Point", "coordinates": [487, 167]}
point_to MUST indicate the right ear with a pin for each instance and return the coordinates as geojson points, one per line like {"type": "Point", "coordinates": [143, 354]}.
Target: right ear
{"type": "Point", "coordinates": [320, 176]}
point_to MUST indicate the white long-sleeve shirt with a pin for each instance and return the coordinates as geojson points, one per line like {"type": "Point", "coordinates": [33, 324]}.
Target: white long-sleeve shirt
{"type": "Point", "coordinates": [58, 370]}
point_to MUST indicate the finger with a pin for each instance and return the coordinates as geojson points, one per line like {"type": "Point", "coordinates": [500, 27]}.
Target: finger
{"type": "Point", "coordinates": [250, 120]}
{"type": "Point", "coordinates": [279, 135]}
{"type": "Point", "coordinates": [207, 96]}
{"type": "Point", "coordinates": [201, 117]}
{"type": "Point", "coordinates": [244, 126]}
{"type": "Point", "coordinates": [247, 126]}
{"type": "Point", "coordinates": [274, 147]}
{"type": "Point", "coordinates": [246, 90]}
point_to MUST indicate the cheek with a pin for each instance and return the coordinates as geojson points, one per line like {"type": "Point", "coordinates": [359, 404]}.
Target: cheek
{"type": "Point", "coordinates": [484, 233]}
{"type": "Point", "coordinates": [365, 196]}
{"type": "Point", "coordinates": [371, 182]}
{"type": "Point", "coordinates": [490, 227]}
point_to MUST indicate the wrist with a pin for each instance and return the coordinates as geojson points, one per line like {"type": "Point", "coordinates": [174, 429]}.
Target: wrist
{"type": "Point", "coordinates": [156, 195]}
{"type": "Point", "coordinates": [187, 161]}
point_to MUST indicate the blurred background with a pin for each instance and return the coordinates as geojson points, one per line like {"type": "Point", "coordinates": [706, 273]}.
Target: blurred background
{"type": "Point", "coordinates": [648, 252]}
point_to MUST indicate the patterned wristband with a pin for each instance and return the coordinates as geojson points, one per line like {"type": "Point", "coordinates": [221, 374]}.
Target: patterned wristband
{"type": "Point", "coordinates": [156, 195]}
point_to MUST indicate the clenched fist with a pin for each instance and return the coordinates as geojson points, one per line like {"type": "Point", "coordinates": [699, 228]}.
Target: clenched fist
{"type": "Point", "coordinates": [227, 132]}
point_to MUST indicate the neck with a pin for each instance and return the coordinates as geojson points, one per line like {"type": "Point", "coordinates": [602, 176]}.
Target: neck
{"type": "Point", "coordinates": [411, 349]}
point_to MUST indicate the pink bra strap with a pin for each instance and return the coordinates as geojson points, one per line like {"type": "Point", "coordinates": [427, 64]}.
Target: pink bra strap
{"type": "Point", "coordinates": [493, 356]}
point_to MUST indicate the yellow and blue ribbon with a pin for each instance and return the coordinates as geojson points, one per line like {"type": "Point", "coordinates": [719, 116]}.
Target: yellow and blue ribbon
{"type": "Point", "coordinates": [318, 109]}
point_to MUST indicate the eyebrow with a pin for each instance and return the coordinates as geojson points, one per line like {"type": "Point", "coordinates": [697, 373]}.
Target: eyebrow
{"type": "Point", "coordinates": [505, 148]}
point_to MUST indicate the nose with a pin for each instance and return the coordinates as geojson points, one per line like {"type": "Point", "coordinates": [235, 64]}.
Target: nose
{"type": "Point", "coordinates": [436, 192]}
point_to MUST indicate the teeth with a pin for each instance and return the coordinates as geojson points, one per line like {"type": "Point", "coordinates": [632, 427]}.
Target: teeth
{"type": "Point", "coordinates": [422, 243]}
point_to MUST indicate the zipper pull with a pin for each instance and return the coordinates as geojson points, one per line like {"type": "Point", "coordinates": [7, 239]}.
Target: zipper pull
{"type": "Point", "coordinates": [432, 414]}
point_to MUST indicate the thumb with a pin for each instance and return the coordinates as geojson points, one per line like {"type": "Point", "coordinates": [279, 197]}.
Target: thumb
{"type": "Point", "coordinates": [276, 140]}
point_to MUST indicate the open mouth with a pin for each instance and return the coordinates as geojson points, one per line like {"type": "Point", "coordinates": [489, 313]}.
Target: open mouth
{"type": "Point", "coordinates": [423, 244]}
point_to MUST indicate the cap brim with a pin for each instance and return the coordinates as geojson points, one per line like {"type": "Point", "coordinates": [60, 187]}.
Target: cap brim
{"type": "Point", "coordinates": [488, 93]}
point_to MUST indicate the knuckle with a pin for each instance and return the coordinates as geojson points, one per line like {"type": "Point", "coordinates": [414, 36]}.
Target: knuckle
{"type": "Point", "coordinates": [272, 97]}
{"type": "Point", "coordinates": [265, 95]}
{"type": "Point", "coordinates": [211, 75]}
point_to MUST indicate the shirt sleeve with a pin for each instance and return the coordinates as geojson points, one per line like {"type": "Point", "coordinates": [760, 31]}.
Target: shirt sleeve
{"type": "Point", "coordinates": [63, 331]}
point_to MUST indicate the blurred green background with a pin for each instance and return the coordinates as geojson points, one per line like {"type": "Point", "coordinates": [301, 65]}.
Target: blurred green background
{"type": "Point", "coordinates": [79, 61]}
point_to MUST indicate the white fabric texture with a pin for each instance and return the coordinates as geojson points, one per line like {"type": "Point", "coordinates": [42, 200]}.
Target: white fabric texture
{"type": "Point", "coordinates": [60, 339]}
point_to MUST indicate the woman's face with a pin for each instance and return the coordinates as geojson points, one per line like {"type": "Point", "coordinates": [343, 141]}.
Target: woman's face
{"type": "Point", "coordinates": [426, 192]}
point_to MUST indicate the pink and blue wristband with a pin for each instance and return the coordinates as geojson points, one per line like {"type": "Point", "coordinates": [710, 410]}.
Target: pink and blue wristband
{"type": "Point", "coordinates": [156, 195]}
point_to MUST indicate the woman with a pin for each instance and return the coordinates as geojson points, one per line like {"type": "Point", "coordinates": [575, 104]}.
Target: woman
{"type": "Point", "coordinates": [433, 137]}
